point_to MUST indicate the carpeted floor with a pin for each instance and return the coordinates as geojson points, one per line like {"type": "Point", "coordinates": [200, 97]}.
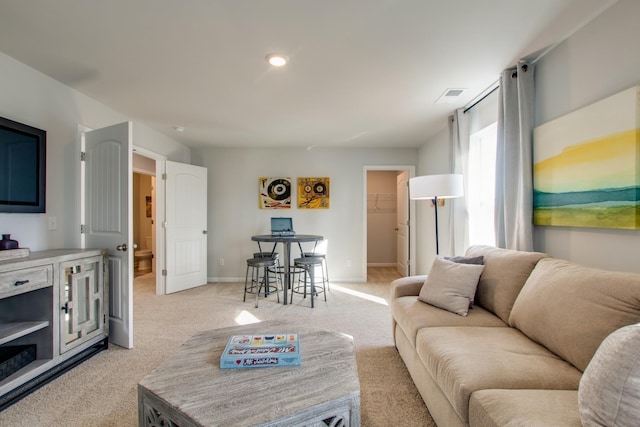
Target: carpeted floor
{"type": "Point", "coordinates": [102, 390]}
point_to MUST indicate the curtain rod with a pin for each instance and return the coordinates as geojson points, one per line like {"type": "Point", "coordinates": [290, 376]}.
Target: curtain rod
{"type": "Point", "coordinates": [488, 91]}
{"type": "Point", "coordinates": [495, 85]}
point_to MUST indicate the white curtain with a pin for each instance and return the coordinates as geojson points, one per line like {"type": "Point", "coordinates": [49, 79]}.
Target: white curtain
{"type": "Point", "coordinates": [459, 134]}
{"type": "Point", "coordinates": [514, 179]}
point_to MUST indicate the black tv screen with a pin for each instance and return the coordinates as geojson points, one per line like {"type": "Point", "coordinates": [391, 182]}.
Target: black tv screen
{"type": "Point", "coordinates": [22, 167]}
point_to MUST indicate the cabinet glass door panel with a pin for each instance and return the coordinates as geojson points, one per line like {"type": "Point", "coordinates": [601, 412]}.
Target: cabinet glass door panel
{"type": "Point", "coordinates": [82, 316]}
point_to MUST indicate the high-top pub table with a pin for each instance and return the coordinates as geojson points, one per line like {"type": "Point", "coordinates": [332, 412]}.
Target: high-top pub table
{"type": "Point", "coordinates": [286, 251]}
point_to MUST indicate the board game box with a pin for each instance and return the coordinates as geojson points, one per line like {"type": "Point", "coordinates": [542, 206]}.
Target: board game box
{"type": "Point", "coordinates": [257, 351]}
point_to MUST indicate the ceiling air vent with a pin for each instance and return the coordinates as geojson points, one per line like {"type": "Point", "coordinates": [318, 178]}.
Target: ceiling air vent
{"type": "Point", "coordinates": [449, 95]}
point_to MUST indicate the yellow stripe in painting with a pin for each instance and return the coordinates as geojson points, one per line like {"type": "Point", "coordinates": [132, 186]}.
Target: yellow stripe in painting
{"type": "Point", "coordinates": [622, 144]}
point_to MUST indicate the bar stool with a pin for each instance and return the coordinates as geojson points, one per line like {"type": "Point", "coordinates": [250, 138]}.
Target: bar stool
{"type": "Point", "coordinates": [320, 250]}
{"type": "Point", "coordinates": [257, 283]}
{"type": "Point", "coordinates": [277, 269]}
{"type": "Point", "coordinates": [307, 267]}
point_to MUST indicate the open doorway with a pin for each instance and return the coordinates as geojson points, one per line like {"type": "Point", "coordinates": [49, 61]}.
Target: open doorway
{"type": "Point", "coordinates": [144, 224]}
{"type": "Point", "coordinates": [147, 195]}
{"type": "Point", "coordinates": [389, 239]}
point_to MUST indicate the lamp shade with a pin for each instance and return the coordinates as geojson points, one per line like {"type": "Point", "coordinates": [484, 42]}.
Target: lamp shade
{"type": "Point", "coordinates": [446, 186]}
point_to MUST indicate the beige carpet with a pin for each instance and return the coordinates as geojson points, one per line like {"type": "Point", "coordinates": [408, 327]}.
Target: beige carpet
{"type": "Point", "coordinates": [102, 390]}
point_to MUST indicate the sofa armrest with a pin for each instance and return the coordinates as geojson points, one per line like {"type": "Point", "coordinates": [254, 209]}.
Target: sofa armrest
{"type": "Point", "coordinates": [407, 286]}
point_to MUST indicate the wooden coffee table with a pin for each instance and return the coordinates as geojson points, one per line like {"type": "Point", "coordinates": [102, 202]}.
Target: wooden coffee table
{"type": "Point", "coordinates": [190, 389]}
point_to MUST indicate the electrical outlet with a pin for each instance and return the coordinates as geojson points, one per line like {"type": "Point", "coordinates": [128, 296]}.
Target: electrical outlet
{"type": "Point", "coordinates": [221, 261]}
{"type": "Point", "coordinates": [348, 263]}
{"type": "Point", "coordinates": [53, 223]}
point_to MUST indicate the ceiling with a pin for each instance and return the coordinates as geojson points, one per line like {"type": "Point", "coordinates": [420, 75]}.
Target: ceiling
{"type": "Point", "coordinates": [362, 73]}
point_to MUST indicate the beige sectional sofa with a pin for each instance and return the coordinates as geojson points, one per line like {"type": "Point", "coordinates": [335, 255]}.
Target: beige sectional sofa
{"type": "Point", "coordinates": [519, 355]}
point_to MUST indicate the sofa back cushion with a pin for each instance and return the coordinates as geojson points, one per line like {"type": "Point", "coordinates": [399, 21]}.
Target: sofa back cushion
{"type": "Point", "coordinates": [571, 309]}
{"type": "Point", "coordinates": [505, 272]}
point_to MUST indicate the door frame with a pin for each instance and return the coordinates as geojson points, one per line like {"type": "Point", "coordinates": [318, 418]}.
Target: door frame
{"type": "Point", "coordinates": [160, 193]}
{"type": "Point", "coordinates": [411, 170]}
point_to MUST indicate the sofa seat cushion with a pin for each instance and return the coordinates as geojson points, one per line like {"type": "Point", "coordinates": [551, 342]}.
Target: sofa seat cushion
{"type": "Point", "coordinates": [463, 360]}
{"type": "Point", "coordinates": [571, 309]}
{"type": "Point", "coordinates": [505, 272]}
{"type": "Point", "coordinates": [515, 408]}
{"type": "Point", "coordinates": [413, 315]}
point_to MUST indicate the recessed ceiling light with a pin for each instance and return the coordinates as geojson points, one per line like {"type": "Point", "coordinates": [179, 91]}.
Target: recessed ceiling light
{"type": "Point", "coordinates": [178, 128]}
{"type": "Point", "coordinates": [277, 59]}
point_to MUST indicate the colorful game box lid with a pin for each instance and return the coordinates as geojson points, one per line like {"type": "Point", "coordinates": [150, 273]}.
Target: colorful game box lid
{"type": "Point", "coordinates": [257, 351]}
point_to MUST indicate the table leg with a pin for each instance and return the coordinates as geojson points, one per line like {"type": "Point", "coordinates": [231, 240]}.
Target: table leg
{"type": "Point", "coordinates": [286, 247]}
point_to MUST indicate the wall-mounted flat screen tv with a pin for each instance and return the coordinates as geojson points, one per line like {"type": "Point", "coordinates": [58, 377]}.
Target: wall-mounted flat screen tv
{"type": "Point", "coordinates": [22, 167]}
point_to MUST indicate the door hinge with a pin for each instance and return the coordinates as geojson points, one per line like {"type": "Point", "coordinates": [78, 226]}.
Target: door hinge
{"type": "Point", "coordinates": [83, 228]}
{"type": "Point", "coordinates": [164, 176]}
{"type": "Point", "coordinates": [83, 156]}
{"type": "Point", "coordinates": [164, 272]}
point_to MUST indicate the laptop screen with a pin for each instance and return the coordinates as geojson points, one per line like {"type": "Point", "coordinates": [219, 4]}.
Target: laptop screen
{"type": "Point", "coordinates": [281, 224]}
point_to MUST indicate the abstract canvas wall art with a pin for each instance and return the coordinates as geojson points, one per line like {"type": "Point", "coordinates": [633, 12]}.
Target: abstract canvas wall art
{"type": "Point", "coordinates": [274, 192]}
{"type": "Point", "coordinates": [586, 166]}
{"type": "Point", "coordinates": [313, 193]}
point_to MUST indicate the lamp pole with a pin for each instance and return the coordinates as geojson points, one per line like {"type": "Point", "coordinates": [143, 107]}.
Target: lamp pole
{"type": "Point", "coordinates": [435, 205]}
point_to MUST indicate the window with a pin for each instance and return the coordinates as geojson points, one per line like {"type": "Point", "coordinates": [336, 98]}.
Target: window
{"type": "Point", "coordinates": [481, 197]}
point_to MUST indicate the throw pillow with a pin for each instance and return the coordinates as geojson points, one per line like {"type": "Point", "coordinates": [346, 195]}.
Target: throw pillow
{"type": "Point", "coordinates": [609, 389]}
{"type": "Point", "coordinates": [451, 285]}
{"type": "Point", "coordinates": [477, 260]}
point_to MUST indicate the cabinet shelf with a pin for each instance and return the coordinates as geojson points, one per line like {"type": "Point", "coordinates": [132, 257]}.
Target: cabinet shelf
{"type": "Point", "coordinates": [15, 330]}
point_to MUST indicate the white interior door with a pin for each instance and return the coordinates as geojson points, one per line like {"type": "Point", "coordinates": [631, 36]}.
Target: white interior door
{"type": "Point", "coordinates": [402, 227]}
{"type": "Point", "coordinates": [185, 226]}
{"type": "Point", "coordinates": [108, 219]}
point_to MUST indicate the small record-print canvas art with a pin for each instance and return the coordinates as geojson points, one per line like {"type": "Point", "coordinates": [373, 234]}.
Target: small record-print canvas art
{"type": "Point", "coordinates": [313, 193]}
{"type": "Point", "coordinates": [274, 193]}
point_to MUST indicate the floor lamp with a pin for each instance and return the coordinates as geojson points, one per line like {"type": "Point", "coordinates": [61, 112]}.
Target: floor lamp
{"type": "Point", "coordinates": [434, 188]}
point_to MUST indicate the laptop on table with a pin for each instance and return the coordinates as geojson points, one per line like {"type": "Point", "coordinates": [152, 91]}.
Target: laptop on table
{"type": "Point", "coordinates": [282, 227]}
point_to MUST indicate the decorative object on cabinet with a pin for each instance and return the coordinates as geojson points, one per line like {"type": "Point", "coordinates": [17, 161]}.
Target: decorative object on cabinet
{"type": "Point", "coordinates": [585, 171]}
{"type": "Point", "coordinates": [274, 193]}
{"type": "Point", "coordinates": [313, 193]}
{"type": "Point", "coordinates": [6, 243]}
{"type": "Point", "coordinates": [56, 301]}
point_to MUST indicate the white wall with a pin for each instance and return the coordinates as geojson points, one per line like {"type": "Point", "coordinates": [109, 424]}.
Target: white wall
{"type": "Point", "coordinates": [30, 97]}
{"type": "Point", "coordinates": [433, 159]}
{"type": "Point", "coordinates": [234, 216]}
{"type": "Point", "coordinates": [600, 60]}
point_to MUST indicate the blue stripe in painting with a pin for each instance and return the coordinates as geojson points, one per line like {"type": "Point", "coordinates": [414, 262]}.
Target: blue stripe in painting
{"type": "Point", "coordinates": [628, 194]}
